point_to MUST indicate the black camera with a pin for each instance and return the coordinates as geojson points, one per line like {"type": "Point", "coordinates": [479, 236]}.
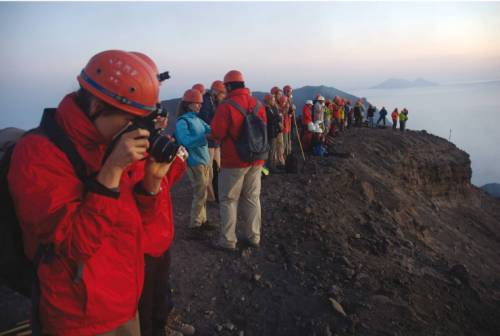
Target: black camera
{"type": "Point", "coordinates": [162, 148]}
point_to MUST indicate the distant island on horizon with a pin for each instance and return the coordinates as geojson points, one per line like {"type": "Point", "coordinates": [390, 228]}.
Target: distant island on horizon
{"type": "Point", "coordinates": [398, 83]}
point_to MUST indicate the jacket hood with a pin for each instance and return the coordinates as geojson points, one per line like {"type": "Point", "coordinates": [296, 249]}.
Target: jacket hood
{"type": "Point", "coordinates": [81, 130]}
{"type": "Point", "coordinates": [77, 124]}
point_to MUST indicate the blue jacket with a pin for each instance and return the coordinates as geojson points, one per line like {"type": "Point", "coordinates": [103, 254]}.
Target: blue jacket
{"type": "Point", "coordinates": [207, 113]}
{"type": "Point", "coordinates": [190, 131]}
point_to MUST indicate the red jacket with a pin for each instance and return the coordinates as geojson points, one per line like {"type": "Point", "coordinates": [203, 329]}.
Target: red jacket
{"type": "Point", "coordinates": [287, 121]}
{"type": "Point", "coordinates": [307, 115]}
{"type": "Point", "coordinates": [226, 126]}
{"type": "Point", "coordinates": [336, 111]}
{"type": "Point", "coordinates": [104, 233]}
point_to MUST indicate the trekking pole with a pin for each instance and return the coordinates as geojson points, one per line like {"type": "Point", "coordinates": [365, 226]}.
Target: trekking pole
{"type": "Point", "coordinates": [297, 133]}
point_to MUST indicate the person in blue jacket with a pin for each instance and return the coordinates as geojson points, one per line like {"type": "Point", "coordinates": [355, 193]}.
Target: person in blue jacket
{"type": "Point", "coordinates": [191, 132]}
{"type": "Point", "coordinates": [382, 114]}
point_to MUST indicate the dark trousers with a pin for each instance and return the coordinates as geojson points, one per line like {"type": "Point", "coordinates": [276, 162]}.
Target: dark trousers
{"type": "Point", "coordinates": [402, 125]}
{"type": "Point", "coordinates": [381, 119]}
{"type": "Point", "coordinates": [394, 124]}
{"type": "Point", "coordinates": [349, 120]}
{"type": "Point", "coordinates": [358, 120]}
{"type": "Point", "coordinates": [156, 299]}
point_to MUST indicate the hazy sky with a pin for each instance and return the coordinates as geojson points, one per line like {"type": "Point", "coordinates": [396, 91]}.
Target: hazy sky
{"type": "Point", "coordinates": [346, 45]}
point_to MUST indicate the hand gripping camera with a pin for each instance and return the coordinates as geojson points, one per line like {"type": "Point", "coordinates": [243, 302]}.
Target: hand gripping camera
{"type": "Point", "coordinates": [162, 148]}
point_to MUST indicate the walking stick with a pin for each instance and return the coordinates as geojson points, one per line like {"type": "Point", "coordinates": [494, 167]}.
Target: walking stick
{"type": "Point", "coordinates": [297, 132]}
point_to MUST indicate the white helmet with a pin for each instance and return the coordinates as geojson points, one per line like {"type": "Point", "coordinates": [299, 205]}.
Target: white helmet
{"type": "Point", "coordinates": [309, 102]}
{"type": "Point", "coordinates": [311, 127]}
{"type": "Point", "coordinates": [321, 98]}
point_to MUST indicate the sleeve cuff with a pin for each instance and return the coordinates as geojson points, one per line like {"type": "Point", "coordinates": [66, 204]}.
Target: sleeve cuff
{"type": "Point", "coordinates": [94, 186]}
{"type": "Point", "coordinates": [139, 189]}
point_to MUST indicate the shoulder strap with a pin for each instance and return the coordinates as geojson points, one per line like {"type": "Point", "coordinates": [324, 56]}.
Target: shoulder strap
{"type": "Point", "coordinates": [256, 108]}
{"type": "Point", "coordinates": [239, 108]}
{"type": "Point", "coordinates": [236, 106]}
{"type": "Point", "coordinates": [53, 131]}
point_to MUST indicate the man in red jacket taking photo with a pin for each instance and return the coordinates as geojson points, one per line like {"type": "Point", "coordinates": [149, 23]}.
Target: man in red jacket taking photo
{"type": "Point", "coordinates": [240, 178]}
{"type": "Point", "coordinates": [96, 223]}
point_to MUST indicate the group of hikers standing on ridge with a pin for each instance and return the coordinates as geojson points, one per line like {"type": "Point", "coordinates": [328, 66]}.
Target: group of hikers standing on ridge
{"type": "Point", "coordinates": [91, 187]}
{"type": "Point", "coordinates": [322, 119]}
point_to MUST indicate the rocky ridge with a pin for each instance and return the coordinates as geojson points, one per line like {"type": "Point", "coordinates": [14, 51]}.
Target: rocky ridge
{"type": "Point", "coordinates": [385, 237]}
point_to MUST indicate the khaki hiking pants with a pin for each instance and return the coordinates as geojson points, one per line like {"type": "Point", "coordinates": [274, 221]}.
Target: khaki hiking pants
{"type": "Point", "coordinates": [214, 156]}
{"type": "Point", "coordinates": [287, 143]}
{"type": "Point", "coordinates": [280, 149]}
{"type": "Point", "coordinates": [131, 328]}
{"type": "Point", "coordinates": [239, 185]}
{"type": "Point", "coordinates": [198, 176]}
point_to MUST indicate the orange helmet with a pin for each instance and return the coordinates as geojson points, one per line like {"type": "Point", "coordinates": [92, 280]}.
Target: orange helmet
{"type": "Point", "coordinates": [200, 87]}
{"type": "Point", "coordinates": [218, 85]}
{"type": "Point", "coordinates": [192, 96]}
{"type": "Point", "coordinates": [268, 98]}
{"type": "Point", "coordinates": [146, 59]}
{"type": "Point", "coordinates": [275, 90]}
{"type": "Point", "coordinates": [233, 76]}
{"type": "Point", "coordinates": [287, 89]}
{"type": "Point", "coordinates": [122, 79]}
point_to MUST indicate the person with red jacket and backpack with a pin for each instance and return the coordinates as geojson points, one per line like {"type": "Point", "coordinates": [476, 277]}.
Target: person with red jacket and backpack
{"type": "Point", "coordinates": [91, 234]}
{"type": "Point", "coordinates": [240, 177]}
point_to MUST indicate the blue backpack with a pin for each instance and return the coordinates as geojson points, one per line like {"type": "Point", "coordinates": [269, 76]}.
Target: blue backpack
{"type": "Point", "coordinates": [252, 144]}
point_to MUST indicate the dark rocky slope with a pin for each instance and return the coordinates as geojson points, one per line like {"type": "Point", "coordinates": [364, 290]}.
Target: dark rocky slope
{"type": "Point", "coordinates": [394, 234]}
{"type": "Point", "coordinates": [388, 237]}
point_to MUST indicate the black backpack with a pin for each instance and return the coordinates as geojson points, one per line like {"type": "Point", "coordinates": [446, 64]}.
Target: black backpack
{"type": "Point", "coordinates": [252, 145]}
{"type": "Point", "coordinates": [16, 270]}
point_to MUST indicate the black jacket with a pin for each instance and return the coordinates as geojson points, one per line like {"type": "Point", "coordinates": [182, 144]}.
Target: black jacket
{"type": "Point", "coordinates": [371, 111]}
{"type": "Point", "coordinates": [207, 113]}
{"type": "Point", "coordinates": [273, 122]}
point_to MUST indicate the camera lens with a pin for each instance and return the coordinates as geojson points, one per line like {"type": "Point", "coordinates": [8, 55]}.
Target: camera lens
{"type": "Point", "coordinates": [162, 148]}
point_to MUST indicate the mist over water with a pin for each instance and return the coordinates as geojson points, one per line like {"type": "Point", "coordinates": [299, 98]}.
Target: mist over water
{"type": "Point", "coordinates": [470, 111]}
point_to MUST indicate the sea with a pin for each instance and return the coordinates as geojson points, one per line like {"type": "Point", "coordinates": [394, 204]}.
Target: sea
{"type": "Point", "coordinates": [467, 114]}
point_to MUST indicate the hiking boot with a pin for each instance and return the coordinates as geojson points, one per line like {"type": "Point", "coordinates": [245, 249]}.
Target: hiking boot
{"type": "Point", "coordinates": [209, 226]}
{"type": "Point", "coordinates": [250, 243]}
{"type": "Point", "coordinates": [196, 233]}
{"type": "Point", "coordinates": [227, 248]}
{"type": "Point", "coordinates": [174, 322]}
